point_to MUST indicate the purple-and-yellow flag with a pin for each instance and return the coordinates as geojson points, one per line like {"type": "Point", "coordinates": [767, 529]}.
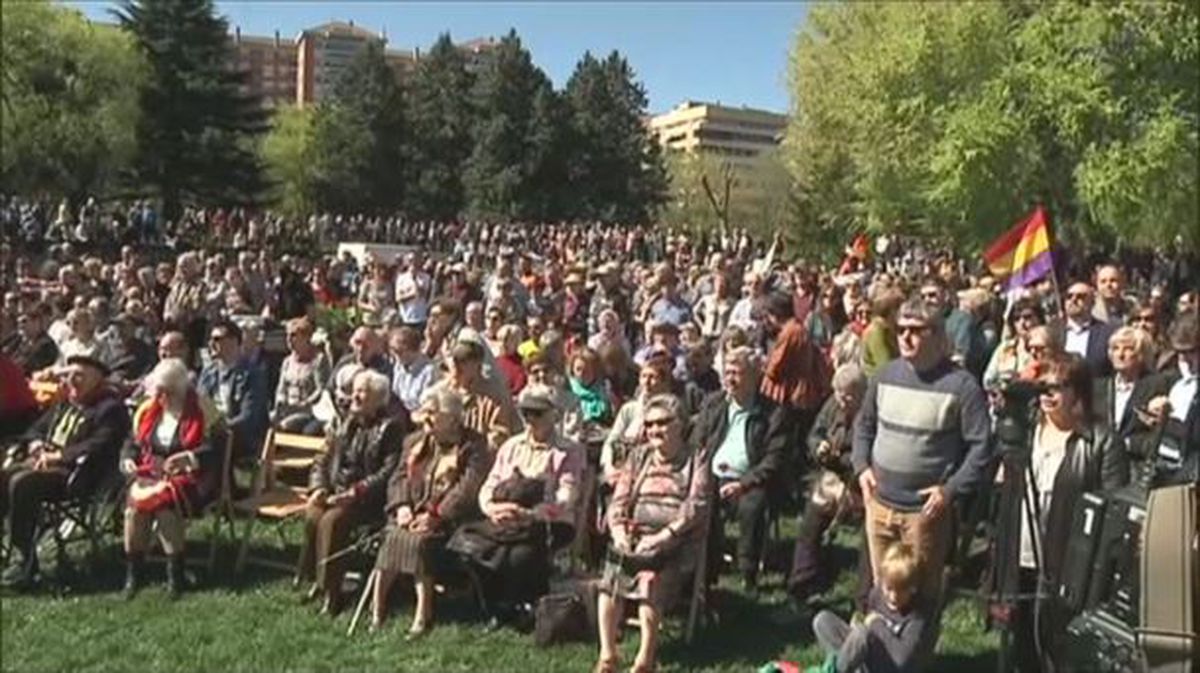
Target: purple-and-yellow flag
{"type": "Point", "coordinates": [1023, 255]}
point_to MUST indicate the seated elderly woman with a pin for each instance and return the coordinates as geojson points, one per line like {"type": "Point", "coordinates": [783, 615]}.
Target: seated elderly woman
{"type": "Point", "coordinates": [657, 520]}
{"type": "Point", "coordinates": [529, 499]}
{"type": "Point", "coordinates": [347, 484]}
{"type": "Point", "coordinates": [301, 379]}
{"type": "Point", "coordinates": [174, 459]}
{"type": "Point", "coordinates": [435, 489]}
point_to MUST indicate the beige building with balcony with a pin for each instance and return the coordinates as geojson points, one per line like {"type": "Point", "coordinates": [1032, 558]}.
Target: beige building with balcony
{"type": "Point", "coordinates": [737, 135]}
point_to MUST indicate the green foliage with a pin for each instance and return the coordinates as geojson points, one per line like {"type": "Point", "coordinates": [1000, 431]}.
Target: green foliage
{"type": "Point", "coordinates": [516, 167]}
{"type": "Point", "coordinates": [708, 192]}
{"type": "Point", "coordinates": [197, 131]}
{"type": "Point", "coordinates": [357, 150]}
{"type": "Point", "coordinates": [614, 171]}
{"type": "Point", "coordinates": [287, 156]}
{"type": "Point", "coordinates": [69, 100]}
{"type": "Point", "coordinates": [951, 119]}
{"type": "Point", "coordinates": [441, 117]}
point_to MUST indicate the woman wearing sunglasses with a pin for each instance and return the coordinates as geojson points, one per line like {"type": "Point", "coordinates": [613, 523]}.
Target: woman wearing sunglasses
{"type": "Point", "coordinates": [1012, 356]}
{"type": "Point", "coordinates": [1070, 455]}
{"type": "Point", "coordinates": [657, 520]}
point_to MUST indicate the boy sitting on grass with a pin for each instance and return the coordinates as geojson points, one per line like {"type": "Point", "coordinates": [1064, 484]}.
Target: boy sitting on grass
{"type": "Point", "coordinates": [900, 628]}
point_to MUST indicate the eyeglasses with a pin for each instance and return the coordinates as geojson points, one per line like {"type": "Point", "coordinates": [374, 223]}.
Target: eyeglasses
{"type": "Point", "coordinates": [658, 422]}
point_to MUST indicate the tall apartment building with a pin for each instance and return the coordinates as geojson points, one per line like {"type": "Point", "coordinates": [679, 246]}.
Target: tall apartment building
{"type": "Point", "coordinates": [270, 66]}
{"type": "Point", "coordinates": [305, 70]}
{"type": "Point", "coordinates": [737, 135]}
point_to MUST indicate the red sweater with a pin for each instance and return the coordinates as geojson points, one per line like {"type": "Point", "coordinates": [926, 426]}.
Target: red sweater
{"type": "Point", "coordinates": [15, 396]}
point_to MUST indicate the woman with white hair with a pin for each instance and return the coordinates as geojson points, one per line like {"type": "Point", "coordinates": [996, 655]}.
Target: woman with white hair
{"type": "Point", "coordinates": [434, 490]}
{"type": "Point", "coordinates": [348, 483]}
{"type": "Point", "coordinates": [175, 464]}
{"type": "Point", "coordinates": [1131, 353]}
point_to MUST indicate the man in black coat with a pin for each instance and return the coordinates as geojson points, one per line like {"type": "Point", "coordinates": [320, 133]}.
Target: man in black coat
{"type": "Point", "coordinates": [71, 450]}
{"type": "Point", "coordinates": [1168, 428]}
{"type": "Point", "coordinates": [30, 346]}
{"type": "Point", "coordinates": [743, 437]}
{"type": "Point", "coordinates": [1084, 335]}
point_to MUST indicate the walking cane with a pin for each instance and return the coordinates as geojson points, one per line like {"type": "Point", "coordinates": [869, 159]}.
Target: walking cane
{"type": "Point", "coordinates": [368, 589]}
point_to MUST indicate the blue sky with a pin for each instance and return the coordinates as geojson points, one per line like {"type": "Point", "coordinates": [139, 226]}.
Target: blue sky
{"type": "Point", "coordinates": [735, 53]}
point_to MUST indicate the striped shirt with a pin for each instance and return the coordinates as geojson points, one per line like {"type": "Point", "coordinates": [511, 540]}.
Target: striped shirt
{"type": "Point", "coordinates": [921, 429]}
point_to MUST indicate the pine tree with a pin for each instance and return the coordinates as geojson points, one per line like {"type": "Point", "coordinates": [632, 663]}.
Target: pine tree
{"type": "Point", "coordinates": [441, 122]}
{"type": "Point", "coordinates": [515, 168]}
{"type": "Point", "coordinates": [196, 133]}
{"type": "Point", "coordinates": [370, 90]}
{"type": "Point", "coordinates": [615, 170]}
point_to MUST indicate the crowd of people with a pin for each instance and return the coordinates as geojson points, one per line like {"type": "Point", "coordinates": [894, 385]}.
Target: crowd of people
{"type": "Point", "coordinates": [499, 397]}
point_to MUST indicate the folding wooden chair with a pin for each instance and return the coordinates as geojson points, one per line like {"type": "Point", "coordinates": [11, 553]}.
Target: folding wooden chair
{"type": "Point", "coordinates": [698, 602]}
{"type": "Point", "coordinates": [221, 508]}
{"type": "Point", "coordinates": [274, 497]}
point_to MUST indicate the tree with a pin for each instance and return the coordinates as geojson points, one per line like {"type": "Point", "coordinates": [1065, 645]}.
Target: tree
{"type": "Point", "coordinates": [441, 121]}
{"type": "Point", "coordinates": [197, 133]}
{"type": "Point", "coordinates": [69, 101]}
{"type": "Point", "coordinates": [615, 169]}
{"type": "Point", "coordinates": [953, 119]}
{"type": "Point", "coordinates": [516, 166]}
{"type": "Point", "coordinates": [369, 91]}
{"type": "Point", "coordinates": [709, 194]}
{"type": "Point", "coordinates": [287, 154]}
{"type": "Point", "coordinates": [358, 152]}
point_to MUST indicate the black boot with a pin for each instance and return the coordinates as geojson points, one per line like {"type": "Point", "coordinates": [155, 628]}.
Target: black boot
{"type": "Point", "coordinates": [133, 576]}
{"type": "Point", "coordinates": [175, 579]}
{"type": "Point", "coordinates": [21, 571]}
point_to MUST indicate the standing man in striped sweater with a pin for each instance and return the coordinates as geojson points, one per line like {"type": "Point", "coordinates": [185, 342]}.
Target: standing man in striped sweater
{"type": "Point", "coordinates": [920, 442]}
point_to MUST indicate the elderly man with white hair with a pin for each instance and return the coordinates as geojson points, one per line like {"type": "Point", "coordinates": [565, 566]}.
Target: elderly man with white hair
{"type": "Point", "coordinates": [830, 494]}
{"type": "Point", "coordinates": [746, 436]}
{"type": "Point", "coordinates": [348, 483]}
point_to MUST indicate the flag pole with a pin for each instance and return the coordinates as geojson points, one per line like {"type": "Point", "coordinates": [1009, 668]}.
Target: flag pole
{"type": "Point", "coordinates": [1058, 301]}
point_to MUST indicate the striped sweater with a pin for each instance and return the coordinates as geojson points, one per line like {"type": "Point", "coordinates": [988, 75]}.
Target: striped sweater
{"type": "Point", "coordinates": [920, 429]}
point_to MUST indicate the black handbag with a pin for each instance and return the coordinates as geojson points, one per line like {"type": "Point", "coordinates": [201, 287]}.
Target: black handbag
{"type": "Point", "coordinates": [566, 617]}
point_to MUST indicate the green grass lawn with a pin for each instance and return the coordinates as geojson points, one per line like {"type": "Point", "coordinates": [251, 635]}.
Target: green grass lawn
{"type": "Point", "coordinates": [257, 623]}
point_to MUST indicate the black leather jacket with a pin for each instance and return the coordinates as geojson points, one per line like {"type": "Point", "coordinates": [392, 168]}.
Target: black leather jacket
{"type": "Point", "coordinates": [361, 457]}
{"type": "Point", "coordinates": [1096, 461]}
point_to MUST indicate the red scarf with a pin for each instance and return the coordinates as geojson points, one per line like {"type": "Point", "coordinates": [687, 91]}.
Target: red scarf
{"type": "Point", "coordinates": [191, 423]}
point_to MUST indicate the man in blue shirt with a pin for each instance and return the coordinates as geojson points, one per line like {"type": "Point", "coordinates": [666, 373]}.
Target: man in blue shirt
{"type": "Point", "coordinates": [237, 390]}
{"type": "Point", "coordinates": [743, 437]}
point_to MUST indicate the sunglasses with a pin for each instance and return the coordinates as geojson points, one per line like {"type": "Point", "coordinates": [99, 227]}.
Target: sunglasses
{"type": "Point", "coordinates": [658, 422]}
